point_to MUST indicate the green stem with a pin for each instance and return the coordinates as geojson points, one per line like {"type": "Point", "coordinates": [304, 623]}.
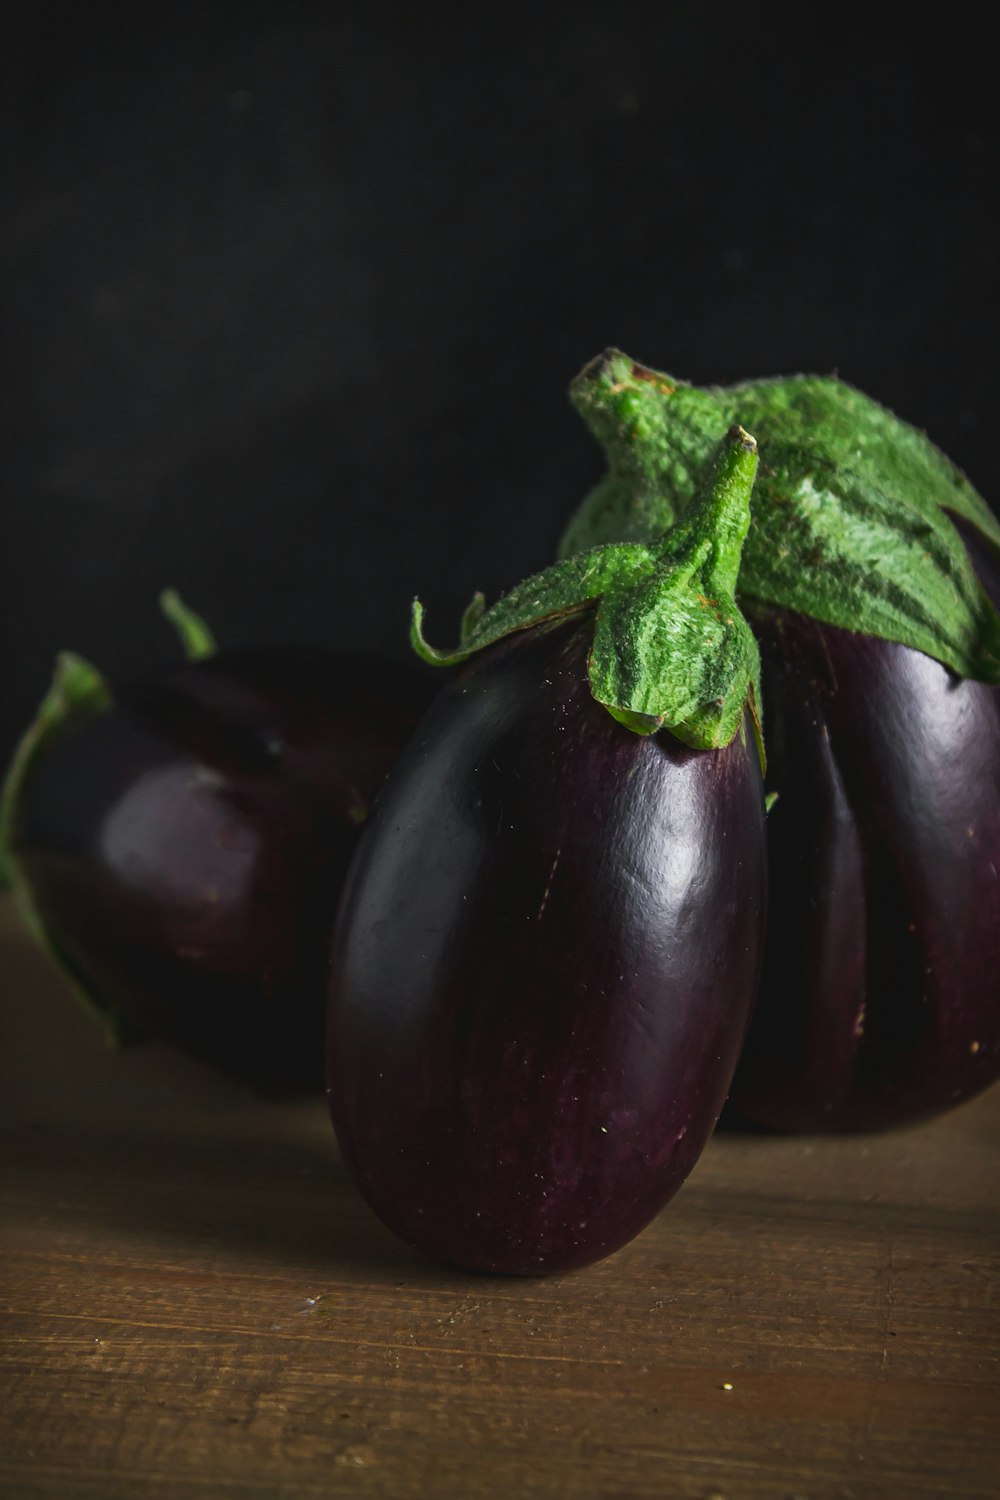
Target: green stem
{"type": "Point", "coordinates": [196, 638]}
{"type": "Point", "coordinates": [657, 433]}
{"type": "Point", "coordinates": [77, 691]}
{"type": "Point", "coordinates": [717, 523]}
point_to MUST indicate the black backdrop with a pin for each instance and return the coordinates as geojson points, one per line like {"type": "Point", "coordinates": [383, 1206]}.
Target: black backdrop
{"type": "Point", "coordinates": [292, 292]}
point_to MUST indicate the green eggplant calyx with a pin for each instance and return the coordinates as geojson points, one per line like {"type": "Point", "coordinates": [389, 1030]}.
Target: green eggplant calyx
{"type": "Point", "coordinates": [195, 636]}
{"type": "Point", "coordinates": [670, 646]}
{"type": "Point", "coordinates": [77, 692]}
{"type": "Point", "coordinates": [852, 506]}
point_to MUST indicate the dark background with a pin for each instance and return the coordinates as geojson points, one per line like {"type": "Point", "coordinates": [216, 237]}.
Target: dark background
{"type": "Point", "coordinates": [292, 292]}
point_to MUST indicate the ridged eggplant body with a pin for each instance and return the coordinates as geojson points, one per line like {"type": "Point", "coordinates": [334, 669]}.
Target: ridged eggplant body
{"type": "Point", "coordinates": [543, 967]}
{"type": "Point", "coordinates": [880, 996]}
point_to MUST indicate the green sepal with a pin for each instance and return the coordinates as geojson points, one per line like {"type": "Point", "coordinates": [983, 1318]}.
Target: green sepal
{"type": "Point", "coordinates": [474, 611]}
{"type": "Point", "coordinates": [852, 507]}
{"type": "Point", "coordinates": [670, 647]}
{"type": "Point", "coordinates": [638, 723]}
{"type": "Point", "coordinates": [77, 692]}
{"type": "Point", "coordinates": [667, 654]}
{"type": "Point", "coordinates": [828, 543]}
{"type": "Point", "coordinates": [195, 636]}
{"type": "Point", "coordinates": [563, 589]}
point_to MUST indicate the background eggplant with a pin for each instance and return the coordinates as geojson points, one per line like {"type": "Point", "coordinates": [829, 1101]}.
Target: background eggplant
{"type": "Point", "coordinates": [180, 845]}
{"type": "Point", "coordinates": [543, 966]}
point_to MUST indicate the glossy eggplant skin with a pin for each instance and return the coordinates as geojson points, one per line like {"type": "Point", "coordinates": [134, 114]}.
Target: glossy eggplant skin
{"type": "Point", "coordinates": [543, 966]}
{"type": "Point", "coordinates": [186, 847]}
{"type": "Point", "coordinates": [880, 995]}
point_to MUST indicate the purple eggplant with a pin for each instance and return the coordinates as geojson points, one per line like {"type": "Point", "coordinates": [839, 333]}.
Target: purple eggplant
{"type": "Point", "coordinates": [543, 966]}
{"type": "Point", "coordinates": [181, 848]}
{"type": "Point", "coordinates": [867, 575]}
{"type": "Point", "coordinates": [880, 994]}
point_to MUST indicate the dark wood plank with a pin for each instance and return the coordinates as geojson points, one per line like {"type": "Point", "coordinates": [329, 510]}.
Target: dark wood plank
{"type": "Point", "coordinates": [196, 1302]}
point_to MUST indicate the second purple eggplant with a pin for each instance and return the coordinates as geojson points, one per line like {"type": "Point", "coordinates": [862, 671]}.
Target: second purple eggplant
{"type": "Point", "coordinates": [879, 996]}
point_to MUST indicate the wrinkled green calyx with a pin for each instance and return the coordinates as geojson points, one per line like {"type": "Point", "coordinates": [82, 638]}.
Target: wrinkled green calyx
{"type": "Point", "coordinates": [850, 515]}
{"type": "Point", "coordinates": [670, 647]}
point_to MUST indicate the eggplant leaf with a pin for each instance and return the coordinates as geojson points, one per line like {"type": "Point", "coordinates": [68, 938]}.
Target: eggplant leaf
{"type": "Point", "coordinates": [850, 520]}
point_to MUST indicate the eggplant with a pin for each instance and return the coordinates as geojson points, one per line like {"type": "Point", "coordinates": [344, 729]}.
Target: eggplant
{"type": "Point", "coordinates": [179, 843]}
{"type": "Point", "coordinates": [871, 578]}
{"type": "Point", "coordinates": [543, 966]}
{"type": "Point", "coordinates": [880, 995]}
{"type": "Point", "coordinates": [550, 938]}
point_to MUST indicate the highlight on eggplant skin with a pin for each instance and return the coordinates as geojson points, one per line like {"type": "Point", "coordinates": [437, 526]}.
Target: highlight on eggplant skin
{"type": "Point", "coordinates": [185, 847]}
{"type": "Point", "coordinates": [880, 995]}
{"type": "Point", "coordinates": [543, 966]}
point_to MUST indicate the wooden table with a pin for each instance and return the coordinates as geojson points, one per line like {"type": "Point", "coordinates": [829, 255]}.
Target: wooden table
{"type": "Point", "coordinates": [196, 1302]}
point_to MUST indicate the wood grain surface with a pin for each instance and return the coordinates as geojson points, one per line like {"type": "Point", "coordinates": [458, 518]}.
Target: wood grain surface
{"type": "Point", "coordinates": [196, 1302]}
